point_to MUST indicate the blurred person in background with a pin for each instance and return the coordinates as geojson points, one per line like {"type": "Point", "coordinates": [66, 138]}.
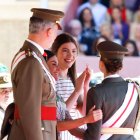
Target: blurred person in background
{"type": "Point", "coordinates": [120, 27]}
{"type": "Point", "coordinates": [89, 32]}
{"type": "Point", "coordinates": [125, 13]}
{"type": "Point", "coordinates": [137, 36]}
{"type": "Point", "coordinates": [137, 16]}
{"type": "Point", "coordinates": [95, 5]}
{"type": "Point", "coordinates": [134, 26]}
{"type": "Point", "coordinates": [75, 29]}
{"type": "Point", "coordinates": [72, 6]}
{"type": "Point", "coordinates": [107, 31]}
{"type": "Point", "coordinates": [70, 12]}
{"type": "Point", "coordinates": [5, 91]}
{"type": "Point", "coordinates": [132, 5]}
{"type": "Point", "coordinates": [7, 121]}
{"type": "Point", "coordinates": [132, 48]}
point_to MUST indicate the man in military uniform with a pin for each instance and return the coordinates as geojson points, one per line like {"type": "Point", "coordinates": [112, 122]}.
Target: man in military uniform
{"type": "Point", "coordinates": [33, 85]}
{"type": "Point", "coordinates": [117, 98]}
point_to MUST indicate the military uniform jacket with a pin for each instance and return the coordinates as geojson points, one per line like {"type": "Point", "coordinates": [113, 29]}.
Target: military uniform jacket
{"type": "Point", "coordinates": [32, 89]}
{"type": "Point", "coordinates": [109, 96]}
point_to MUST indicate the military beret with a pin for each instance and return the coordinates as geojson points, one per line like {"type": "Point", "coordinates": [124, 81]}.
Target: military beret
{"type": "Point", "coordinates": [109, 49]}
{"type": "Point", "coordinates": [48, 14]}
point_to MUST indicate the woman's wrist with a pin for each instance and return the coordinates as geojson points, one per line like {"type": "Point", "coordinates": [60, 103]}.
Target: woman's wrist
{"type": "Point", "coordinates": [77, 91]}
{"type": "Point", "coordinates": [85, 120]}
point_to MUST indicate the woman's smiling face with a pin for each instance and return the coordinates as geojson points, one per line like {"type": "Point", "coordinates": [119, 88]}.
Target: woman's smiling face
{"type": "Point", "coordinates": [66, 55]}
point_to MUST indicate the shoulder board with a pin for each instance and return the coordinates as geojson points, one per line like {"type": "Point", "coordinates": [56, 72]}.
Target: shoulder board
{"type": "Point", "coordinates": [19, 57]}
{"type": "Point", "coordinates": [129, 81]}
{"type": "Point", "coordinates": [133, 81]}
{"type": "Point", "coordinates": [28, 53]}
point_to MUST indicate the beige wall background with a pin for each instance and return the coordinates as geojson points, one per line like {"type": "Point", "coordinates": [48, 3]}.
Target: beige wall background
{"type": "Point", "coordinates": [14, 17]}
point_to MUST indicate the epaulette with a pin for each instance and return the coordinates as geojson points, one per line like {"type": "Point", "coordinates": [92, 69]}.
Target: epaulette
{"type": "Point", "coordinates": [28, 52]}
{"type": "Point", "coordinates": [132, 81]}
{"type": "Point", "coordinates": [129, 81]}
{"type": "Point", "coordinates": [20, 56]}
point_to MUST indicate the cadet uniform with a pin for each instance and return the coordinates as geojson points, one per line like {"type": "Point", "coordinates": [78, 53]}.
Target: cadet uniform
{"type": "Point", "coordinates": [34, 89]}
{"type": "Point", "coordinates": [118, 100]}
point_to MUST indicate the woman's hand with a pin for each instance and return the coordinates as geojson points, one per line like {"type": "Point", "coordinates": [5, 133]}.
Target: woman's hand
{"type": "Point", "coordinates": [80, 82]}
{"type": "Point", "coordinates": [88, 77]}
{"type": "Point", "coordinates": [94, 115]}
{"type": "Point", "coordinates": [83, 80]}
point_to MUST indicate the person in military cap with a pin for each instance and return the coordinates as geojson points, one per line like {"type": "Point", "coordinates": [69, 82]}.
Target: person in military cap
{"type": "Point", "coordinates": [5, 90]}
{"type": "Point", "coordinates": [117, 98]}
{"type": "Point", "coordinates": [33, 85]}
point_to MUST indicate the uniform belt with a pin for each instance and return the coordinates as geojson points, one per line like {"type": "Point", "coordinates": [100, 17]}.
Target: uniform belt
{"type": "Point", "coordinates": [117, 131]}
{"type": "Point", "coordinates": [47, 113]}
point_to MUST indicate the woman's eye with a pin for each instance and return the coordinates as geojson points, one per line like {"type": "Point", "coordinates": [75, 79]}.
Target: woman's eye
{"type": "Point", "coordinates": [74, 51]}
{"type": "Point", "coordinates": [54, 64]}
{"type": "Point", "coordinates": [65, 51]}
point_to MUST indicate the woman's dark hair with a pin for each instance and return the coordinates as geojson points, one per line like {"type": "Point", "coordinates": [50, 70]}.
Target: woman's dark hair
{"type": "Point", "coordinates": [82, 19]}
{"type": "Point", "coordinates": [58, 42]}
{"type": "Point", "coordinates": [135, 53]}
{"type": "Point", "coordinates": [112, 65]}
{"type": "Point", "coordinates": [48, 55]}
{"type": "Point", "coordinates": [6, 125]}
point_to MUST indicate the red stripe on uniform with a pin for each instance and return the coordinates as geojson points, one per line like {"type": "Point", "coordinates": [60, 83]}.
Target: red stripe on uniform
{"type": "Point", "coordinates": [124, 109]}
{"type": "Point", "coordinates": [47, 113]}
{"type": "Point", "coordinates": [18, 58]}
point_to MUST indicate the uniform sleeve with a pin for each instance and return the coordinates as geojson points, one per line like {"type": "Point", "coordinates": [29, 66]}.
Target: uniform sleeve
{"type": "Point", "coordinates": [29, 78]}
{"type": "Point", "coordinates": [93, 131]}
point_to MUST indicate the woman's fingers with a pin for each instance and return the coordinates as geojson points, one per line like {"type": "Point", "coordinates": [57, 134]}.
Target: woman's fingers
{"type": "Point", "coordinates": [97, 114]}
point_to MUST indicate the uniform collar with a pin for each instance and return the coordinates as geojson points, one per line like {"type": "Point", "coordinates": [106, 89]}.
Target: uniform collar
{"type": "Point", "coordinates": [113, 79]}
{"type": "Point", "coordinates": [112, 76]}
{"type": "Point", "coordinates": [37, 46]}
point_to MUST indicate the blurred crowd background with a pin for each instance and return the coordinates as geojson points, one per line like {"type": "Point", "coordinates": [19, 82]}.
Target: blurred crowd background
{"type": "Point", "coordinates": [92, 21]}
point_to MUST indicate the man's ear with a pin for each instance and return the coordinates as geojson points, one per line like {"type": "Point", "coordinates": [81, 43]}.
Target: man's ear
{"type": "Point", "coordinates": [48, 31]}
